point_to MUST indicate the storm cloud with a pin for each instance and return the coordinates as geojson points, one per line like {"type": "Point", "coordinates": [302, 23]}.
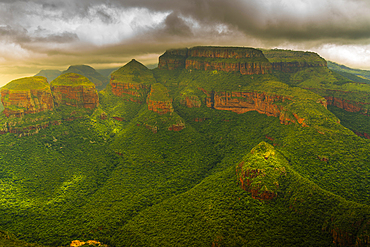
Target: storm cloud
{"type": "Point", "coordinates": [53, 34]}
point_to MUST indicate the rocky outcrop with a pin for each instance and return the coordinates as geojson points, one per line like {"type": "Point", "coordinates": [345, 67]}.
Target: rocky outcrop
{"type": "Point", "coordinates": [190, 101]}
{"type": "Point", "coordinates": [177, 127]}
{"type": "Point", "coordinates": [74, 90]}
{"type": "Point", "coordinates": [241, 102]}
{"type": "Point", "coordinates": [132, 82]}
{"type": "Point", "coordinates": [78, 243]}
{"type": "Point", "coordinates": [348, 105]}
{"type": "Point", "coordinates": [259, 171]}
{"type": "Point", "coordinates": [130, 91]}
{"type": "Point", "coordinates": [159, 100]}
{"type": "Point", "coordinates": [247, 61]}
{"type": "Point", "coordinates": [26, 96]}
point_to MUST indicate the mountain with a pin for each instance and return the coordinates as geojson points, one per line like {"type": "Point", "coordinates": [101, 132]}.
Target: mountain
{"type": "Point", "coordinates": [218, 146]}
{"type": "Point", "coordinates": [356, 75]}
{"type": "Point", "coordinates": [49, 74]}
{"type": "Point", "coordinates": [99, 80]}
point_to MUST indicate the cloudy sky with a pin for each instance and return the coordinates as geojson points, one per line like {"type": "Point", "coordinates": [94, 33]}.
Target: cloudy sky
{"type": "Point", "coordinates": [53, 34]}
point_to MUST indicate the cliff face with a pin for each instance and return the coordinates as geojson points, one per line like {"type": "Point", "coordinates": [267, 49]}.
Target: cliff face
{"type": "Point", "coordinates": [158, 100]}
{"type": "Point", "coordinates": [347, 105]}
{"type": "Point", "coordinates": [132, 82]}
{"type": "Point", "coordinates": [19, 99]}
{"type": "Point", "coordinates": [247, 61]}
{"type": "Point", "coordinates": [74, 90]}
{"type": "Point", "coordinates": [80, 96]}
{"type": "Point", "coordinates": [130, 91]}
{"type": "Point", "coordinates": [241, 102]}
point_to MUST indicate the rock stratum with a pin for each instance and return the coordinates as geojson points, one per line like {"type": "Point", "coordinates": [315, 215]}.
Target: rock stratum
{"type": "Point", "coordinates": [241, 102]}
{"type": "Point", "coordinates": [74, 90]}
{"type": "Point", "coordinates": [159, 100]}
{"type": "Point", "coordinates": [247, 61]}
{"type": "Point", "coordinates": [26, 96]}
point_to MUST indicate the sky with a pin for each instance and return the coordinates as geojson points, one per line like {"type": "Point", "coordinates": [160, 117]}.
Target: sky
{"type": "Point", "coordinates": [54, 34]}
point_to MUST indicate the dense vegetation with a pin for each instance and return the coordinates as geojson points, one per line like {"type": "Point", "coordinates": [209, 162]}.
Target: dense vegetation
{"type": "Point", "coordinates": [71, 79]}
{"type": "Point", "coordinates": [94, 76]}
{"type": "Point", "coordinates": [356, 75]}
{"type": "Point", "coordinates": [28, 83]}
{"type": "Point", "coordinates": [119, 173]}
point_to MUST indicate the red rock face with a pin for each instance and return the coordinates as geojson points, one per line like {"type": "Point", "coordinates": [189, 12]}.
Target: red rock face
{"type": "Point", "coordinates": [19, 103]}
{"type": "Point", "coordinates": [291, 67]}
{"type": "Point", "coordinates": [244, 68]}
{"type": "Point", "coordinates": [246, 179]}
{"type": "Point", "coordinates": [241, 102]}
{"type": "Point", "coordinates": [177, 127]}
{"type": "Point", "coordinates": [135, 92]}
{"type": "Point", "coordinates": [190, 101]}
{"type": "Point", "coordinates": [225, 60]}
{"type": "Point", "coordinates": [347, 105]}
{"type": "Point", "coordinates": [160, 107]}
{"type": "Point", "coordinates": [78, 96]}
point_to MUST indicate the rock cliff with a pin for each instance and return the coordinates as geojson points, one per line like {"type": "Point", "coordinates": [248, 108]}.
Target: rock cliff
{"type": "Point", "coordinates": [132, 82]}
{"type": "Point", "coordinates": [292, 61]}
{"type": "Point", "coordinates": [159, 100]}
{"type": "Point", "coordinates": [26, 96]}
{"type": "Point", "coordinates": [74, 90]}
{"type": "Point", "coordinates": [241, 102]}
{"type": "Point", "coordinates": [348, 105]}
{"type": "Point", "coordinates": [247, 61]}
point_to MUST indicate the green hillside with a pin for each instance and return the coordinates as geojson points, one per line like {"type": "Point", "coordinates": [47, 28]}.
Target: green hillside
{"type": "Point", "coordinates": [356, 75]}
{"type": "Point", "coordinates": [27, 83]}
{"type": "Point", "coordinates": [284, 172]}
{"type": "Point", "coordinates": [49, 74]}
{"type": "Point", "coordinates": [95, 77]}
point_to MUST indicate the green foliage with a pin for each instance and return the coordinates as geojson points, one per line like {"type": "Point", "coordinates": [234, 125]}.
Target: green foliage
{"type": "Point", "coordinates": [94, 76]}
{"type": "Point", "coordinates": [289, 56]}
{"type": "Point", "coordinates": [72, 79]}
{"type": "Point", "coordinates": [28, 83]}
{"type": "Point", "coordinates": [133, 72]}
{"type": "Point", "coordinates": [119, 175]}
{"type": "Point", "coordinates": [346, 71]}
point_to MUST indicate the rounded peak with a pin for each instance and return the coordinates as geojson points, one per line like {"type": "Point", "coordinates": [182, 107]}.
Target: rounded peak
{"type": "Point", "coordinates": [72, 79]}
{"type": "Point", "coordinates": [28, 83]}
{"type": "Point", "coordinates": [133, 72]}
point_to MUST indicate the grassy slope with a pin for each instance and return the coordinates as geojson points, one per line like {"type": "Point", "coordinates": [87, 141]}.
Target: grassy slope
{"type": "Point", "coordinates": [173, 187]}
{"type": "Point", "coordinates": [28, 83]}
{"type": "Point", "coordinates": [72, 79]}
{"type": "Point", "coordinates": [94, 76]}
{"type": "Point", "coordinates": [133, 72]}
{"type": "Point", "coordinates": [360, 74]}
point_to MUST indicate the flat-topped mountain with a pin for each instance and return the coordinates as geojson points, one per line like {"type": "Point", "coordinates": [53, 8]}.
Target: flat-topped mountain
{"type": "Point", "coordinates": [247, 61]}
{"type": "Point", "coordinates": [26, 96]}
{"type": "Point", "coordinates": [74, 90]}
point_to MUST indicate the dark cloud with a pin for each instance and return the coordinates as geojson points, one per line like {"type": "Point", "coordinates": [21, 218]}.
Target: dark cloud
{"type": "Point", "coordinates": [81, 31]}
